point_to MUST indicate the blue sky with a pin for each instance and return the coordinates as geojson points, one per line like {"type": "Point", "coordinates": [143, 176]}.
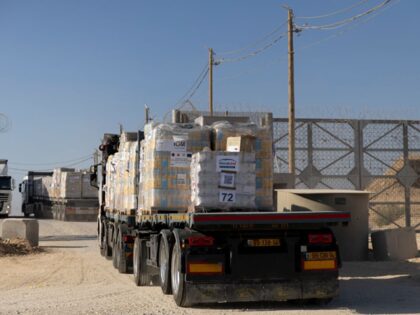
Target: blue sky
{"type": "Point", "coordinates": [72, 70]}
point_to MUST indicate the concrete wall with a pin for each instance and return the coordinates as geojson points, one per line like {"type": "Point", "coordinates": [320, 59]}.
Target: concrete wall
{"type": "Point", "coordinates": [353, 238]}
{"type": "Point", "coordinates": [394, 244]}
{"type": "Point", "coordinates": [27, 229]}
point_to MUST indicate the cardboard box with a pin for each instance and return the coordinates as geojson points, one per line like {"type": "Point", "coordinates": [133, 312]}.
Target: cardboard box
{"type": "Point", "coordinates": [244, 143]}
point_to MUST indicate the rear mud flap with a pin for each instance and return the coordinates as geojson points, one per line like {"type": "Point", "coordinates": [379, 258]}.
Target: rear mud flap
{"type": "Point", "coordinates": [253, 292]}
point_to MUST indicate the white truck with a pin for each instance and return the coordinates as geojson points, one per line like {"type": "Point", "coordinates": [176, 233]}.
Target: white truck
{"type": "Point", "coordinates": [6, 188]}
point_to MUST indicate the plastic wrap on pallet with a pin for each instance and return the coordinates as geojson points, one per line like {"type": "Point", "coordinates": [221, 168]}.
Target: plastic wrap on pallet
{"type": "Point", "coordinates": [67, 183]}
{"type": "Point", "coordinates": [263, 147]}
{"type": "Point", "coordinates": [71, 185]}
{"type": "Point", "coordinates": [88, 191]}
{"type": "Point", "coordinates": [165, 165]}
{"type": "Point", "coordinates": [223, 180]}
{"type": "Point", "coordinates": [46, 186]}
{"type": "Point", "coordinates": [121, 168]}
{"type": "Point", "coordinates": [56, 181]}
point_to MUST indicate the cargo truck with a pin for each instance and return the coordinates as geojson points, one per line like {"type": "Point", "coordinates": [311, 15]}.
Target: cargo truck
{"type": "Point", "coordinates": [62, 195]}
{"type": "Point", "coordinates": [208, 255]}
{"type": "Point", "coordinates": [6, 188]}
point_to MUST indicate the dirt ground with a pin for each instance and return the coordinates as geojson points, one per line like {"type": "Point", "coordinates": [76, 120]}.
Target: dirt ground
{"type": "Point", "coordinates": [70, 277]}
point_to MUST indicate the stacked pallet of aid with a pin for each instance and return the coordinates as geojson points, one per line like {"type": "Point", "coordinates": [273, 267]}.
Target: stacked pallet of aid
{"type": "Point", "coordinates": [166, 153]}
{"type": "Point", "coordinates": [262, 146]}
{"type": "Point", "coordinates": [122, 169]}
{"type": "Point", "coordinates": [222, 181]}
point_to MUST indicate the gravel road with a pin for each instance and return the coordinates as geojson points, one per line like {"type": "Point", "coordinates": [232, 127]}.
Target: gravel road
{"type": "Point", "coordinates": [72, 278]}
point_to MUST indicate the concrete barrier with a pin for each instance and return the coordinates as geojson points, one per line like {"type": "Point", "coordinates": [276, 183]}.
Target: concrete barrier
{"type": "Point", "coordinates": [27, 229]}
{"type": "Point", "coordinates": [394, 244]}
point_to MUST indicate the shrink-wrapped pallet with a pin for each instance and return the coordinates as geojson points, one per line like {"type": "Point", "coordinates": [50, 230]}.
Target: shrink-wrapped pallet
{"type": "Point", "coordinates": [46, 186]}
{"type": "Point", "coordinates": [88, 191]}
{"type": "Point", "coordinates": [263, 146]}
{"type": "Point", "coordinates": [121, 172]}
{"type": "Point", "coordinates": [166, 152]}
{"type": "Point", "coordinates": [110, 182]}
{"type": "Point", "coordinates": [71, 185]}
{"type": "Point", "coordinates": [56, 181]}
{"type": "Point", "coordinates": [223, 180]}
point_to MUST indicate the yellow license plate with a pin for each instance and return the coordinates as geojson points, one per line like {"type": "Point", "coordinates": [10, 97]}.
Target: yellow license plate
{"type": "Point", "coordinates": [321, 255]}
{"type": "Point", "coordinates": [319, 264]}
{"type": "Point", "coordinates": [264, 242]}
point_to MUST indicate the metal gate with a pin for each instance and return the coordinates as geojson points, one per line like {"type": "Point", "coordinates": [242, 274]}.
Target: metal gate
{"type": "Point", "coordinates": [381, 156]}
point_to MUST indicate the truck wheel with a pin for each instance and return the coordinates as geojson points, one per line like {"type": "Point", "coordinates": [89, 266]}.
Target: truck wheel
{"type": "Point", "coordinates": [107, 248]}
{"type": "Point", "coordinates": [26, 215]}
{"type": "Point", "coordinates": [101, 237]}
{"type": "Point", "coordinates": [115, 253]}
{"type": "Point", "coordinates": [179, 291]}
{"type": "Point", "coordinates": [164, 265]}
{"type": "Point", "coordinates": [140, 275]}
{"type": "Point", "coordinates": [121, 258]}
{"type": "Point", "coordinates": [37, 211]}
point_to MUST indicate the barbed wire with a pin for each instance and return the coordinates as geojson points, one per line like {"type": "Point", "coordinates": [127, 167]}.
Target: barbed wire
{"type": "Point", "coordinates": [5, 123]}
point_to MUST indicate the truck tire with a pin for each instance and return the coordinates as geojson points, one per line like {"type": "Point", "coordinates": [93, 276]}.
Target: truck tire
{"type": "Point", "coordinates": [121, 256]}
{"type": "Point", "coordinates": [140, 275]}
{"type": "Point", "coordinates": [115, 253]}
{"type": "Point", "coordinates": [107, 248]}
{"type": "Point", "coordinates": [101, 237]}
{"type": "Point", "coordinates": [25, 214]}
{"type": "Point", "coordinates": [37, 211]}
{"type": "Point", "coordinates": [165, 263]}
{"type": "Point", "coordinates": [179, 289]}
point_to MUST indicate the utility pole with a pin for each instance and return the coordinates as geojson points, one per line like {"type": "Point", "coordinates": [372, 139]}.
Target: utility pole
{"type": "Point", "coordinates": [95, 157]}
{"type": "Point", "coordinates": [211, 81]}
{"type": "Point", "coordinates": [146, 113]}
{"type": "Point", "coordinates": [292, 168]}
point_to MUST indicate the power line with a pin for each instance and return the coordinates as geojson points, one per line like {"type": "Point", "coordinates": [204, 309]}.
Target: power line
{"type": "Point", "coordinates": [48, 170]}
{"type": "Point", "coordinates": [333, 13]}
{"type": "Point", "coordinates": [197, 83]}
{"type": "Point", "coordinates": [348, 28]}
{"type": "Point", "coordinates": [345, 21]}
{"type": "Point", "coordinates": [52, 163]}
{"type": "Point", "coordinates": [276, 30]}
{"type": "Point", "coordinates": [254, 53]}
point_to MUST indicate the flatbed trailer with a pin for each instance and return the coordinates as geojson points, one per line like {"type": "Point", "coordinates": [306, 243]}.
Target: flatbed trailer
{"type": "Point", "coordinates": [227, 256]}
{"type": "Point", "coordinates": [48, 207]}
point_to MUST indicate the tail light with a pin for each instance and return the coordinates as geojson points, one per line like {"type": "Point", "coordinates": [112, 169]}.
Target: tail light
{"type": "Point", "coordinates": [320, 238]}
{"type": "Point", "coordinates": [200, 241]}
{"type": "Point", "coordinates": [128, 239]}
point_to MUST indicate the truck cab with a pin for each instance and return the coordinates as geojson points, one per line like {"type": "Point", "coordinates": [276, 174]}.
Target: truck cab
{"type": "Point", "coordinates": [6, 188]}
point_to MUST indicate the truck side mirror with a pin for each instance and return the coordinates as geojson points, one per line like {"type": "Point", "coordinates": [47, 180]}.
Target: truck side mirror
{"type": "Point", "coordinates": [20, 188]}
{"type": "Point", "coordinates": [94, 180]}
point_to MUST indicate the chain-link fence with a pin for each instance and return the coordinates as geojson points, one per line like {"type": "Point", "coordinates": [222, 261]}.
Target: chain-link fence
{"type": "Point", "coordinates": [381, 156]}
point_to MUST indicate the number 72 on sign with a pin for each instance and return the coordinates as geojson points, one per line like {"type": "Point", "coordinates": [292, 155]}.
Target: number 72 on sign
{"type": "Point", "coordinates": [227, 196]}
